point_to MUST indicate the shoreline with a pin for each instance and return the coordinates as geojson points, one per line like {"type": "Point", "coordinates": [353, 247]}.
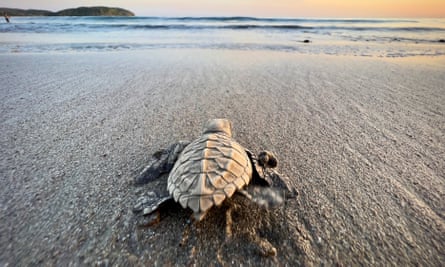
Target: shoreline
{"type": "Point", "coordinates": [361, 138]}
{"type": "Point", "coordinates": [311, 49]}
{"type": "Point", "coordinates": [435, 57]}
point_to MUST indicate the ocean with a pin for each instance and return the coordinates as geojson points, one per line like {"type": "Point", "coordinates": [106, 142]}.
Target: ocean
{"type": "Point", "coordinates": [358, 37]}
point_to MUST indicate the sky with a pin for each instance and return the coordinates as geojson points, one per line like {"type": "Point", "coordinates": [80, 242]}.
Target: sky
{"type": "Point", "coordinates": [259, 8]}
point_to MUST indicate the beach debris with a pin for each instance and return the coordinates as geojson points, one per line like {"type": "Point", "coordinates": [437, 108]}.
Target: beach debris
{"type": "Point", "coordinates": [442, 41]}
{"type": "Point", "coordinates": [306, 41]}
{"type": "Point", "coordinates": [209, 170]}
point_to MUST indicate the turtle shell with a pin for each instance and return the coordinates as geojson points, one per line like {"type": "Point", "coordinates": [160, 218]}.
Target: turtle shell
{"type": "Point", "coordinates": [209, 170]}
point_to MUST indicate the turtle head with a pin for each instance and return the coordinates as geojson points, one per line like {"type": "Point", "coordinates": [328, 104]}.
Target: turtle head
{"type": "Point", "coordinates": [267, 159]}
{"type": "Point", "coordinates": [223, 126]}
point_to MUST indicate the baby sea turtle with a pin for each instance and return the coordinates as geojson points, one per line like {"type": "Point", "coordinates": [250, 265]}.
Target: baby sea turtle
{"type": "Point", "coordinates": [209, 170]}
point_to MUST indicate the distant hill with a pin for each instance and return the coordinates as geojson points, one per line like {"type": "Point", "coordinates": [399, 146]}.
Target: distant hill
{"type": "Point", "coordinates": [94, 11]}
{"type": "Point", "coordinates": [80, 11]}
{"type": "Point", "coordinates": [23, 12]}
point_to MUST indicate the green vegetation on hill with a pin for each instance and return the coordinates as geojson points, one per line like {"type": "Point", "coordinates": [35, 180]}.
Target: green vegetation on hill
{"type": "Point", "coordinates": [80, 11]}
{"type": "Point", "coordinates": [94, 11]}
{"type": "Point", "coordinates": [23, 12]}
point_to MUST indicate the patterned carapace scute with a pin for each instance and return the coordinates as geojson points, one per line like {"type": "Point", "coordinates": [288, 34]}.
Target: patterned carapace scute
{"type": "Point", "coordinates": [209, 170]}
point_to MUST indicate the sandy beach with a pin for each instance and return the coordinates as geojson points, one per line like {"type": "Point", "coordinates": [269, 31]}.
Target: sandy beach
{"type": "Point", "coordinates": [362, 139]}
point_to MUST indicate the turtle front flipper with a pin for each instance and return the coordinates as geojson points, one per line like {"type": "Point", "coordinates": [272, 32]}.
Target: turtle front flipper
{"type": "Point", "coordinates": [161, 162]}
{"type": "Point", "coordinates": [265, 197]}
{"type": "Point", "coordinates": [281, 181]}
{"type": "Point", "coordinates": [265, 174]}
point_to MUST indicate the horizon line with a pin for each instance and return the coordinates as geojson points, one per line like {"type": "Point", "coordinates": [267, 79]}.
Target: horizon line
{"type": "Point", "coordinates": [243, 16]}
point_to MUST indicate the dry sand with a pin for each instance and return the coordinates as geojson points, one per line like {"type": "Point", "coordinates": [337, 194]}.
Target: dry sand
{"type": "Point", "coordinates": [363, 140]}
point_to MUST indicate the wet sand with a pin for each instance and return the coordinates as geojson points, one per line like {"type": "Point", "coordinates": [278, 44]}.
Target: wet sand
{"type": "Point", "coordinates": [362, 139]}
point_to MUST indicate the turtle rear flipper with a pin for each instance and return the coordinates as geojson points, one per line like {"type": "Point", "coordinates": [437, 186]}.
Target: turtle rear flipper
{"type": "Point", "coordinates": [161, 162]}
{"type": "Point", "coordinates": [150, 202]}
{"type": "Point", "coordinates": [149, 207]}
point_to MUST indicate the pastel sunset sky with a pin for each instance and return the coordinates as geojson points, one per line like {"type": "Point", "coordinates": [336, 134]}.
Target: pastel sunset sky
{"type": "Point", "coordinates": [260, 8]}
